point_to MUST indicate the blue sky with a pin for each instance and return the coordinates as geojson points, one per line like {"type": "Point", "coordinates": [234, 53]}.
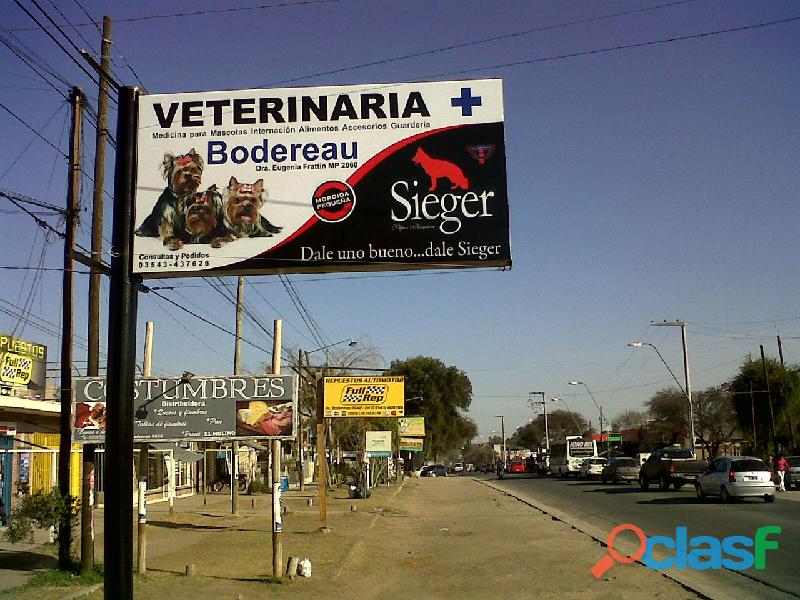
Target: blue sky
{"type": "Point", "coordinates": [649, 183]}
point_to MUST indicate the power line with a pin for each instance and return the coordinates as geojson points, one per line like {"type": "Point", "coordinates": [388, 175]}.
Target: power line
{"type": "Point", "coordinates": [616, 48]}
{"type": "Point", "coordinates": [40, 136]}
{"type": "Point", "coordinates": [488, 40]}
{"type": "Point", "coordinates": [195, 13]}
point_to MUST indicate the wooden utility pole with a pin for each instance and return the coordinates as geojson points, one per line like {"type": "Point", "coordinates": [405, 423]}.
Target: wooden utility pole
{"type": "Point", "coordinates": [788, 405]}
{"type": "Point", "coordinates": [65, 440]}
{"type": "Point", "coordinates": [277, 519]}
{"type": "Point", "coordinates": [769, 398]}
{"type": "Point", "coordinates": [753, 417]}
{"type": "Point", "coordinates": [300, 457]}
{"type": "Point", "coordinates": [144, 465]}
{"type": "Point", "coordinates": [237, 370]}
{"type": "Point", "coordinates": [322, 463]}
{"type": "Point", "coordinates": [93, 352]}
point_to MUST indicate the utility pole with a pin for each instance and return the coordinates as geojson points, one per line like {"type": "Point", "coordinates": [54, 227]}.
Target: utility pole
{"type": "Point", "coordinates": [144, 465]}
{"type": "Point", "coordinates": [237, 370]}
{"type": "Point", "coordinates": [789, 408]}
{"type": "Point", "coordinates": [544, 407]}
{"type": "Point", "coordinates": [753, 416]}
{"type": "Point", "coordinates": [769, 399]}
{"type": "Point", "coordinates": [65, 440]}
{"type": "Point", "coordinates": [93, 334]}
{"type": "Point", "coordinates": [300, 464]}
{"type": "Point", "coordinates": [682, 325]}
{"type": "Point", "coordinates": [277, 523]}
{"type": "Point", "coordinates": [503, 458]}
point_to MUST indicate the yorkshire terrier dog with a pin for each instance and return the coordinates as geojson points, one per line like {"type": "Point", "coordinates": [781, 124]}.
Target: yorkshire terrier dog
{"type": "Point", "coordinates": [198, 220]}
{"type": "Point", "coordinates": [243, 201]}
{"type": "Point", "coordinates": [182, 174]}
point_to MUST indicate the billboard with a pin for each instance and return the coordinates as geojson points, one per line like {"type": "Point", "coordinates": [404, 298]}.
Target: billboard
{"type": "Point", "coordinates": [364, 396]}
{"type": "Point", "coordinates": [22, 367]}
{"type": "Point", "coordinates": [197, 409]}
{"type": "Point", "coordinates": [411, 426]}
{"type": "Point", "coordinates": [336, 178]}
{"type": "Point", "coordinates": [412, 444]}
{"type": "Point", "coordinates": [379, 443]}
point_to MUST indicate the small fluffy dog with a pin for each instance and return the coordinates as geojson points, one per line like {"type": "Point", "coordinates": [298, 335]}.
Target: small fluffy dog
{"type": "Point", "coordinates": [202, 219]}
{"type": "Point", "coordinates": [182, 174]}
{"type": "Point", "coordinates": [437, 169]}
{"type": "Point", "coordinates": [242, 217]}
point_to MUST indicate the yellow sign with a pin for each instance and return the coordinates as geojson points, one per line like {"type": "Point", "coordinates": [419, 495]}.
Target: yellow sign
{"type": "Point", "coordinates": [16, 368]}
{"type": "Point", "coordinates": [364, 396]}
{"type": "Point", "coordinates": [411, 426]}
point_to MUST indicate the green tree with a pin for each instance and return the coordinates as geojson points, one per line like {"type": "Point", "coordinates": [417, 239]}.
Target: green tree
{"type": "Point", "coordinates": [440, 394]}
{"type": "Point", "coordinates": [560, 423]}
{"type": "Point", "coordinates": [784, 389]}
{"type": "Point", "coordinates": [630, 419]}
{"type": "Point", "coordinates": [715, 417]}
{"type": "Point", "coordinates": [668, 411]}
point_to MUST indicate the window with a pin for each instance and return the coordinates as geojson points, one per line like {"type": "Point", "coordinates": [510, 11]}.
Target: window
{"type": "Point", "coordinates": [750, 464]}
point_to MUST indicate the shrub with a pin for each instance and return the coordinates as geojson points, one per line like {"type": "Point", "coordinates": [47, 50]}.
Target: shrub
{"type": "Point", "coordinates": [259, 487]}
{"type": "Point", "coordinates": [44, 510]}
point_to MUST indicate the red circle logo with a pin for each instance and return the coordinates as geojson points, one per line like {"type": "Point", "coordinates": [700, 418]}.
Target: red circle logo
{"type": "Point", "coordinates": [334, 201]}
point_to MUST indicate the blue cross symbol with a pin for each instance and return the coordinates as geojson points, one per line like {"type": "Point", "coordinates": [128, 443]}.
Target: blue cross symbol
{"type": "Point", "coordinates": [466, 101]}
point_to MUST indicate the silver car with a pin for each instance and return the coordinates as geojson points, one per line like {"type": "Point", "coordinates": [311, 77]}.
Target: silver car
{"type": "Point", "coordinates": [793, 474]}
{"type": "Point", "coordinates": [736, 477]}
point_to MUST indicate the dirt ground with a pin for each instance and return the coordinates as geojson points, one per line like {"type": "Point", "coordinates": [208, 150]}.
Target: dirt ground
{"type": "Point", "coordinates": [431, 538]}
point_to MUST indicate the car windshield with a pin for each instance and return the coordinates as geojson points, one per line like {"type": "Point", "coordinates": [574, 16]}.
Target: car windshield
{"type": "Point", "coordinates": [749, 464]}
{"type": "Point", "coordinates": [677, 454]}
{"type": "Point", "coordinates": [624, 462]}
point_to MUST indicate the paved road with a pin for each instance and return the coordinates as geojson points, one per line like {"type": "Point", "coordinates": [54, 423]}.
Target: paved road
{"type": "Point", "coordinates": [659, 513]}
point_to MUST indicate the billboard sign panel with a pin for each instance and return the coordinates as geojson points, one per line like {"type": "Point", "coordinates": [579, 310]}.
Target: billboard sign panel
{"type": "Point", "coordinates": [411, 444]}
{"type": "Point", "coordinates": [202, 408]}
{"type": "Point", "coordinates": [336, 178]}
{"type": "Point", "coordinates": [364, 396]}
{"type": "Point", "coordinates": [411, 426]}
{"type": "Point", "coordinates": [379, 443]}
{"type": "Point", "coordinates": [22, 367]}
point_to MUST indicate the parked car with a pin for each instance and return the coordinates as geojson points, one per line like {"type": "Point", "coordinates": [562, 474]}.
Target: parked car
{"type": "Point", "coordinates": [516, 466]}
{"type": "Point", "coordinates": [792, 477]}
{"type": "Point", "coordinates": [620, 468]}
{"type": "Point", "coordinates": [458, 468]}
{"type": "Point", "coordinates": [736, 477]}
{"type": "Point", "coordinates": [426, 471]}
{"type": "Point", "coordinates": [439, 471]}
{"type": "Point", "coordinates": [591, 468]}
{"type": "Point", "coordinates": [469, 468]}
{"type": "Point", "coordinates": [670, 466]}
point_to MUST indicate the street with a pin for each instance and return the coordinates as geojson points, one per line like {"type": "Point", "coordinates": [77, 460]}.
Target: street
{"type": "Point", "coordinates": [602, 507]}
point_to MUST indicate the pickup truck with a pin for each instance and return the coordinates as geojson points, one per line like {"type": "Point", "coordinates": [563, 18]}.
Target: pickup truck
{"type": "Point", "coordinates": [670, 466]}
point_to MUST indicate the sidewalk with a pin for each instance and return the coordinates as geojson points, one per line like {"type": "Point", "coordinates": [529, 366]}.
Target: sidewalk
{"type": "Point", "coordinates": [431, 538]}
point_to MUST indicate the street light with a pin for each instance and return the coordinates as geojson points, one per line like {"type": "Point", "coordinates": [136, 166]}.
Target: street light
{"type": "Point", "coordinates": [599, 408]}
{"type": "Point", "coordinates": [503, 434]}
{"type": "Point", "coordinates": [686, 391]}
{"type": "Point", "coordinates": [571, 414]}
{"type": "Point", "coordinates": [544, 405]}
{"type": "Point", "coordinates": [350, 342]}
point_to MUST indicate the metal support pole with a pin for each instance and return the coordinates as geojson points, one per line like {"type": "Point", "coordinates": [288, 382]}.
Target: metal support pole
{"type": "Point", "coordinates": [277, 522]}
{"type": "Point", "coordinates": [118, 546]}
{"type": "Point", "coordinates": [769, 399]}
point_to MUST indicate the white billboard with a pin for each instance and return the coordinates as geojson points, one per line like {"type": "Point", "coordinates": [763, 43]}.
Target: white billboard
{"type": "Point", "coordinates": [366, 177]}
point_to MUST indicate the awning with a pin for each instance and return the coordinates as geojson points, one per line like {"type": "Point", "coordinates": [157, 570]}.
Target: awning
{"type": "Point", "coordinates": [178, 453]}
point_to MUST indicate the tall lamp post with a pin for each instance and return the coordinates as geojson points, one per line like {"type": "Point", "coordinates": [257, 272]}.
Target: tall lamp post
{"type": "Point", "coordinates": [599, 408]}
{"type": "Point", "coordinates": [533, 402]}
{"type": "Point", "coordinates": [571, 414]}
{"type": "Point", "coordinates": [503, 434]}
{"type": "Point", "coordinates": [686, 391]}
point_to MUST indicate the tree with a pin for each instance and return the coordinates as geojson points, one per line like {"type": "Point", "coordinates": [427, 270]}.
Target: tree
{"type": "Point", "coordinates": [715, 417]}
{"type": "Point", "coordinates": [560, 423]}
{"type": "Point", "coordinates": [749, 390]}
{"type": "Point", "coordinates": [439, 393]}
{"type": "Point", "coordinates": [630, 419]}
{"type": "Point", "coordinates": [668, 410]}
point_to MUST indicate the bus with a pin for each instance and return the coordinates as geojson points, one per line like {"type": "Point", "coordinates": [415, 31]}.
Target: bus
{"type": "Point", "coordinates": [567, 455]}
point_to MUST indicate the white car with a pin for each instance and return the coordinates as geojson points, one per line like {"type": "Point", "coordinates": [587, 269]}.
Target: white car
{"type": "Point", "coordinates": [736, 477]}
{"type": "Point", "coordinates": [458, 468]}
{"type": "Point", "coordinates": [592, 468]}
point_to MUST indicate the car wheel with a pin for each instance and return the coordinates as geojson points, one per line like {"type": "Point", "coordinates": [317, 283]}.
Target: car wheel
{"type": "Point", "coordinates": [723, 493]}
{"type": "Point", "coordinates": [769, 498]}
{"type": "Point", "coordinates": [643, 483]}
{"type": "Point", "coordinates": [698, 490]}
{"type": "Point", "coordinates": [663, 484]}
{"type": "Point", "coordinates": [677, 486]}
{"type": "Point", "coordinates": [217, 486]}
